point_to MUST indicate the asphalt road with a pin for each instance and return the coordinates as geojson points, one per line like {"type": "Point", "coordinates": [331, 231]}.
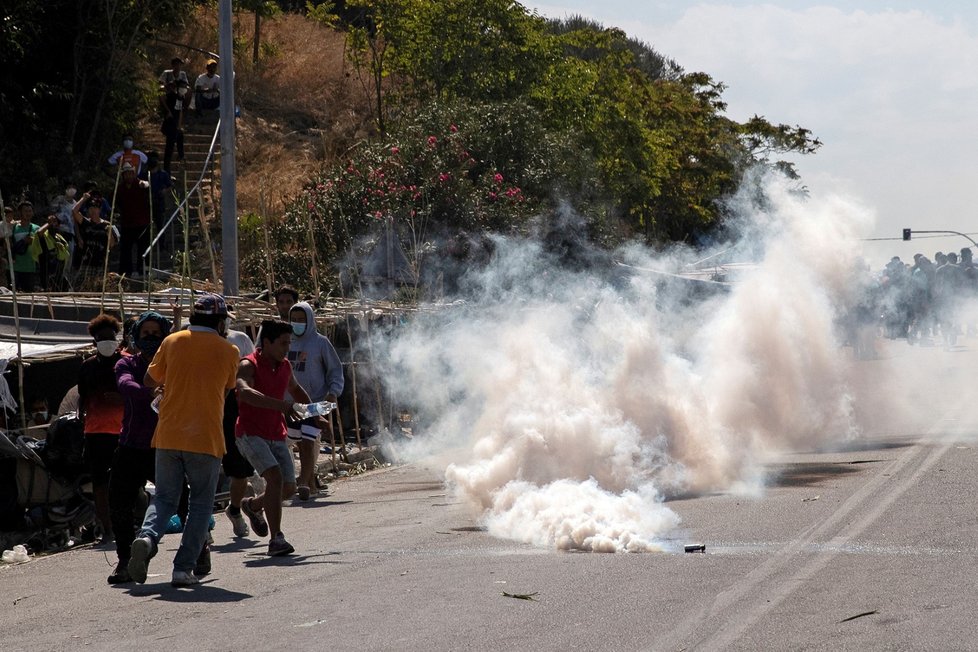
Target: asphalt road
{"type": "Point", "coordinates": [867, 547]}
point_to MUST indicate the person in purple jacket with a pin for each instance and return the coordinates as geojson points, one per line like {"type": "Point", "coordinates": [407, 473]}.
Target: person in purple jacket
{"type": "Point", "coordinates": [135, 460]}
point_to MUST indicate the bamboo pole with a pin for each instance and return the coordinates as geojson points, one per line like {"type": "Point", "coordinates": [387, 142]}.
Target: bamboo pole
{"type": "Point", "coordinates": [16, 310]}
{"type": "Point", "coordinates": [148, 270]}
{"type": "Point", "coordinates": [332, 447]}
{"type": "Point", "coordinates": [364, 315]}
{"type": "Point", "coordinates": [108, 239]}
{"type": "Point", "coordinates": [353, 377]}
{"type": "Point", "coordinates": [269, 270]}
{"type": "Point", "coordinates": [312, 252]}
{"type": "Point", "coordinates": [206, 233]}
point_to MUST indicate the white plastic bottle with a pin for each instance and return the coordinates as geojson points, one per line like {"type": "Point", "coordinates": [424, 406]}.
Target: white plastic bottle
{"type": "Point", "coordinates": [320, 409]}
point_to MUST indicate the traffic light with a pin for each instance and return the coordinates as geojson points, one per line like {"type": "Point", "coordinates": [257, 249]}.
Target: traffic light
{"type": "Point", "coordinates": [906, 234]}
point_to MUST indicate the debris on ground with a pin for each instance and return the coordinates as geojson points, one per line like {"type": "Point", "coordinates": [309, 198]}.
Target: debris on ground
{"type": "Point", "coordinates": [522, 596]}
{"type": "Point", "coordinates": [865, 613]}
{"type": "Point", "coordinates": [695, 547]}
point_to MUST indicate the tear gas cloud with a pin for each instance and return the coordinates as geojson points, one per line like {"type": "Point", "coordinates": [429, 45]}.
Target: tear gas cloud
{"type": "Point", "coordinates": [572, 402]}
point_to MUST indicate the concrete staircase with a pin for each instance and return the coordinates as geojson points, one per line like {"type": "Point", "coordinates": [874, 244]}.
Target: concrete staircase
{"type": "Point", "coordinates": [203, 204]}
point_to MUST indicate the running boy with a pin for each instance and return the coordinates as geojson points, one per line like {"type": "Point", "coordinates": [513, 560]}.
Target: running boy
{"type": "Point", "coordinates": [263, 378]}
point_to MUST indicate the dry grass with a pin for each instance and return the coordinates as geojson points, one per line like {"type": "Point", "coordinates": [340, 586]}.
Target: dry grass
{"type": "Point", "coordinates": [301, 107]}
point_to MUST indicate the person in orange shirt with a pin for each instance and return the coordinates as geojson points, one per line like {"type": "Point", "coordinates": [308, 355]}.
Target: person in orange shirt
{"type": "Point", "coordinates": [102, 409]}
{"type": "Point", "coordinates": [195, 369]}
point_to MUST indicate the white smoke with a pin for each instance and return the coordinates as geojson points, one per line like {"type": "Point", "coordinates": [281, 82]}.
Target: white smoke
{"type": "Point", "coordinates": [572, 402]}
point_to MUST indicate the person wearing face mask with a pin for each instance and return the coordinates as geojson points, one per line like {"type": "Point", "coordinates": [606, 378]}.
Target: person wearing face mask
{"type": "Point", "coordinates": [127, 154]}
{"type": "Point", "coordinates": [132, 203]}
{"type": "Point", "coordinates": [196, 368]}
{"type": "Point", "coordinates": [62, 207]}
{"type": "Point", "coordinates": [134, 462]}
{"type": "Point", "coordinates": [40, 417]}
{"type": "Point", "coordinates": [102, 410]}
{"type": "Point", "coordinates": [318, 369]}
{"type": "Point", "coordinates": [175, 95]}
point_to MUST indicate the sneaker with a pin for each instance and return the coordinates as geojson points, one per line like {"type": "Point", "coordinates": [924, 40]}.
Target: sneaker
{"type": "Point", "coordinates": [203, 566]}
{"type": "Point", "coordinates": [304, 492]}
{"type": "Point", "coordinates": [183, 578]}
{"type": "Point", "coordinates": [121, 573]}
{"type": "Point", "coordinates": [257, 519]}
{"type": "Point", "coordinates": [142, 552]}
{"type": "Point", "coordinates": [237, 523]}
{"type": "Point", "coordinates": [278, 546]}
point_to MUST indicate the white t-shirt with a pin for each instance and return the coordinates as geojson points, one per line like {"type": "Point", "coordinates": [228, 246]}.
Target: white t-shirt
{"type": "Point", "coordinates": [209, 87]}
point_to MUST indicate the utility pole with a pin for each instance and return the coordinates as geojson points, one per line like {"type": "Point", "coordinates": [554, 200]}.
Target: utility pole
{"type": "Point", "coordinates": [229, 196]}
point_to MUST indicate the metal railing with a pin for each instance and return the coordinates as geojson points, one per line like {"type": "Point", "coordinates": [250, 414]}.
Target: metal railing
{"type": "Point", "coordinates": [189, 193]}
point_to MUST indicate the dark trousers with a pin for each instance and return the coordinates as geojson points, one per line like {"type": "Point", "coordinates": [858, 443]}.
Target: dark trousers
{"type": "Point", "coordinates": [131, 469]}
{"type": "Point", "coordinates": [132, 238]}
{"type": "Point", "coordinates": [24, 281]}
{"type": "Point", "coordinates": [174, 136]}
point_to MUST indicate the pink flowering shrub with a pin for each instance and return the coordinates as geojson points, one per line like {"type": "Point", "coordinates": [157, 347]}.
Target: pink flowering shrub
{"type": "Point", "coordinates": [472, 169]}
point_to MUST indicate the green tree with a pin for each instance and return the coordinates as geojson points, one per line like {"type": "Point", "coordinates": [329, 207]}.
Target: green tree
{"type": "Point", "coordinates": [69, 80]}
{"type": "Point", "coordinates": [261, 9]}
{"type": "Point", "coordinates": [481, 50]}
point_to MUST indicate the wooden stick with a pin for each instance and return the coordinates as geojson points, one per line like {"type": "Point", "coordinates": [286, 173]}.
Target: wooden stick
{"type": "Point", "coordinates": [312, 252]}
{"type": "Point", "coordinates": [356, 407]}
{"type": "Point", "coordinates": [16, 307]}
{"type": "Point", "coordinates": [206, 232]}
{"type": "Point", "coordinates": [108, 239]}
{"type": "Point", "coordinates": [332, 446]}
{"type": "Point", "coordinates": [269, 270]}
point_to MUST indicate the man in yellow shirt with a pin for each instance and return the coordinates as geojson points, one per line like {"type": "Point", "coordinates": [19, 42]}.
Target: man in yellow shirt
{"type": "Point", "coordinates": [195, 369]}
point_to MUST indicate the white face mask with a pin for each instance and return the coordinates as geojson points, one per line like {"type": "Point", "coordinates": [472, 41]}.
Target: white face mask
{"type": "Point", "coordinates": [70, 193]}
{"type": "Point", "coordinates": [127, 144]}
{"type": "Point", "coordinates": [106, 347]}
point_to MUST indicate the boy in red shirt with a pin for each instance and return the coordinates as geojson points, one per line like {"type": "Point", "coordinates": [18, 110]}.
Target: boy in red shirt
{"type": "Point", "coordinates": [263, 378]}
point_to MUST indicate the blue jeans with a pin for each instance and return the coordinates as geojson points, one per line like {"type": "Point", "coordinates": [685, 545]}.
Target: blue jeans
{"type": "Point", "coordinates": [201, 473]}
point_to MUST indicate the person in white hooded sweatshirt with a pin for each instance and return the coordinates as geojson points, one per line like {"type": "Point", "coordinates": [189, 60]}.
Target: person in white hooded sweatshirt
{"type": "Point", "coordinates": [318, 370]}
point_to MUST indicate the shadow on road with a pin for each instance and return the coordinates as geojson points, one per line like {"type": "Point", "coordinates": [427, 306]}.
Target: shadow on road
{"type": "Point", "coordinates": [806, 474]}
{"type": "Point", "coordinates": [258, 561]}
{"type": "Point", "coordinates": [203, 592]}
{"type": "Point", "coordinates": [312, 504]}
{"type": "Point", "coordinates": [237, 545]}
{"type": "Point", "coordinates": [864, 445]}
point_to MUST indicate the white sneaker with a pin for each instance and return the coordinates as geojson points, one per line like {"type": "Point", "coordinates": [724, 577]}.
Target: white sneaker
{"type": "Point", "coordinates": [238, 523]}
{"type": "Point", "coordinates": [184, 578]}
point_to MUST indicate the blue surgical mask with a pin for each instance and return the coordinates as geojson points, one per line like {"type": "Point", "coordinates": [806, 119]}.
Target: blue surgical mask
{"type": "Point", "coordinates": [298, 327]}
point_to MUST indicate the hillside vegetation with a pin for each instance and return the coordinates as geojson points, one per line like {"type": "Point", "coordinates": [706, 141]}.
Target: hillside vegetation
{"type": "Point", "coordinates": [432, 120]}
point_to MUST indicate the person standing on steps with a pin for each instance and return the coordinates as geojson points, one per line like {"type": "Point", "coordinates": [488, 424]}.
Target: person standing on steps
{"type": "Point", "coordinates": [132, 203]}
{"type": "Point", "coordinates": [127, 154]}
{"type": "Point", "coordinates": [207, 89]}
{"type": "Point", "coordinates": [175, 96]}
